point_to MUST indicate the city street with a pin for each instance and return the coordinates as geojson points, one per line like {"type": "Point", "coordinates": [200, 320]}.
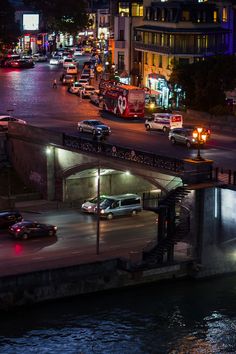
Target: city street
{"type": "Point", "coordinates": [30, 95]}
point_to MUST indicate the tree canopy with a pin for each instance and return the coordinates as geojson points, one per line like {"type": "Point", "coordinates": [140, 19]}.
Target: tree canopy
{"type": "Point", "coordinates": [205, 82]}
{"type": "Point", "coordinates": [9, 29]}
{"type": "Point", "coordinates": [68, 16]}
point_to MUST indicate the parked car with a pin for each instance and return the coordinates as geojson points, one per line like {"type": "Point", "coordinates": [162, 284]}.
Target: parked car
{"type": "Point", "coordinates": [75, 87]}
{"type": "Point", "coordinates": [40, 57]}
{"type": "Point", "coordinates": [67, 62]}
{"type": "Point", "coordinates": [29, 229]}
{"type": "Point", "coordinates": [9, 217]}
{"type": "Point", "coordinates": [68, 79]}
{"type": "Point", "coordinates": [86, 91]}
{"type": "Point", "coordinates": [55, 60]}
{"type": "Point", "coordinates": [4, 121]}
{"type": "Point", "coordinates": [94, 127]}
{"type": "Point", "coordinates": [72, 69]}
{"type": "Point", "coordinates": [184, 136]}
{"type": "Point", "coordinates": [89, 205]}
{"type": "Point", "coordinates": [96, 98]}
{"type": "Point", "coordinates": [22, 64]}
{"type": "Point", "coordinates": [83, 82]}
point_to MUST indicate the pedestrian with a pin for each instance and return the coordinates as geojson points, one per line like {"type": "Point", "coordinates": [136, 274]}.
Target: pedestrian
{"type": "Point", "coordinates": [54, 85]}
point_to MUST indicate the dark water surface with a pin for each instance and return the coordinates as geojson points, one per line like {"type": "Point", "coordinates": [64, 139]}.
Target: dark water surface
{"type": "Point", "coordinates": [182, 317]}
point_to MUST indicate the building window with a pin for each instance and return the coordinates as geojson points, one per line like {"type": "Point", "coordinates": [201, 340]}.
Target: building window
{"type": "Point", "coordinates": [121, 61]}
{"type": "Point", "coordinates": [153, 59]}
{"type": "Point", "coordinates": [137, 10]}
{"type": "Point", "coordinates": [185, 15]}
{"type": "Point", "coordinates": [224, 14]}
{"type": "Point", "coordinates": [215, 16]}
{"type": "Point", "coordinates": [145, 39]}
{"type": "Point", "coordinates": [145, 57]}
{"type": "Point", "coordinates": [121, 35]}
{"type": "Point", "coordinates": [123, 9]}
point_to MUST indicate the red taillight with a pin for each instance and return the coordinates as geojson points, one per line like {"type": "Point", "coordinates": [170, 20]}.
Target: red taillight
{"type": "Point", "coordinates": [18, 230]}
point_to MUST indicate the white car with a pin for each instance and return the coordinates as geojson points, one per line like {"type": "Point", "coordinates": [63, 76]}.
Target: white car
{"type": "Point", "coordinates": [4, 120]}
{"type": "Point", "coordinates": [72, 69]}
{"type": "Point", "coordinates": [67, 62]}
{"type": "Point", "coordinates": [75, 87]}
{"type": "Point", "coordinates": [40, 57]}
{"type": "Point", "coordinates": [89, 205]}
{"type": "Point", "coordinates": [86, 91]}
{"type": "Point", "coordinates": [54, 60]}
{"type": "Point", "coordinates": [84, 82]}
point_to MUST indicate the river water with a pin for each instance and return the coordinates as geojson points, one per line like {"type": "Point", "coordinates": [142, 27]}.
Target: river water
{"type": "Point", "coordinates": [181, 317]}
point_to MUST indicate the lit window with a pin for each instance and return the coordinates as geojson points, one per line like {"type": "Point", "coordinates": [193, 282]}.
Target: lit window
{"type": "Point", "coordinates": [215, 16]}
{"type": "Point", "coordinates": [224, 14]}
{"type": "Point", "coordinates": [137, 10]}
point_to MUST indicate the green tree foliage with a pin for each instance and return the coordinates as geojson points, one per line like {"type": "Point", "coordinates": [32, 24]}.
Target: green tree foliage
{"type": "Point", "coordinates": [205, 82]}
{"type": "Point", "coordinates": [9, 29]}
{"type": "Point", "coordinates": [68, 16]}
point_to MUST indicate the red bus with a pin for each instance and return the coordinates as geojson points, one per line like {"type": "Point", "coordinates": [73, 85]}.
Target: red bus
{"type": "Point", "coordinates": [124, 101]}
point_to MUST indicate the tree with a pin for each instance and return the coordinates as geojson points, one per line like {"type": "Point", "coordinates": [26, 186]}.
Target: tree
{"type": "Point", "coordinates": [205, 82]}
{"type": "Point", "coordinates": [9, 29]}
{"type": "Point", "coordinates": [60, 16]}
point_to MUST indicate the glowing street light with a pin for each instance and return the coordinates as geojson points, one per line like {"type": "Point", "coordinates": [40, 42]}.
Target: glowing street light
{"type": "Point", "coordinates": [200, 137]}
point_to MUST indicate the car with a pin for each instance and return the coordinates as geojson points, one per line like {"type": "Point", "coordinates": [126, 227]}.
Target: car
{"type": "Point", "coordinates": [30, 229]}
{"type": "Point", "coordinates": [83, 82]}
{"type": "Point", "coordinates": [72, 69]}
{"type": "Point", "coordinates": [9, 217]}
{"type": "Point", "coordinates": [55, 60]}
{"type": "Point", "coordinates": [86, 91]}
{"type": "Point", "coordinates": [85, 77]}
{"type": "Point", "coordinates": [6, 62]}
{"type": "Point", "coordinates": [78, 52]}
{"type": "Point", "coordinates": [75, 87]}
{"type": "Point", "coordinates": [67, 62]}
{"type": "Point", "coordinates": [40, 57]}
{"type": "Point", "coordinates": [21, 64]}
{"type": "Point", "coordinates": [68, 79]}
{"type": "Point", "coordinates": [184, 136]}
{"type": "Point", "coordinates": [4, 120]}
{"type": "Point", "coordinates": [96, 98]}
{"type": "Point", "coordinates": [94, 126]}
{"type": "Point", "coordinates": [89, 205]}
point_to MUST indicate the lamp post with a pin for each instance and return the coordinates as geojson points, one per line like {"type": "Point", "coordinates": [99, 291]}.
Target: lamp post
{"type": "Point", "coordinates": [98, 209]}
{"type": "Point", "coordinates": [200, 137]}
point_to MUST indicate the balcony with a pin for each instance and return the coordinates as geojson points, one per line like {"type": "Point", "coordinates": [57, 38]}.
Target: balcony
{"type": "Point", "coordinates": [120, 44]}
{"type": "Point", "coordinates": [179, 50]}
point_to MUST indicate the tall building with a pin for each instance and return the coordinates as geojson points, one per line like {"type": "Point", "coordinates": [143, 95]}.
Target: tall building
{"type": "Point", "coordinates": [180, 31]}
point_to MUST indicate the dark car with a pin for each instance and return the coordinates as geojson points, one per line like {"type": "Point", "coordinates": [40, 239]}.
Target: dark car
{"type": "Point", "coordinates": [21, 64]}
{"type": "Point", "coordinates": [184, 136]}
{"type": "Point", "coordinates": [9, 217]}
{"type": "Point", "coordinates": [28, 229]}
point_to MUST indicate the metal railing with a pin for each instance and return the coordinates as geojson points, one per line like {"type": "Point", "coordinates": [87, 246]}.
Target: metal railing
{"type": "Point", "coordinates": [123, 154]}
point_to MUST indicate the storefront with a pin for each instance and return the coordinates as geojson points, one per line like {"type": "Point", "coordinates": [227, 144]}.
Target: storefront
{"type": "Point", "coordinates": [159, 87]}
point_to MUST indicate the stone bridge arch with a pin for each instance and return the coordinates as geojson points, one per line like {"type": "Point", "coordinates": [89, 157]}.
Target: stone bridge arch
{"type": "Point", "coordinates": [79, 181]}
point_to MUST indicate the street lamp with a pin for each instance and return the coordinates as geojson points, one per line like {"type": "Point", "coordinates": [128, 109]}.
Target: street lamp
{"type": "Point", "coordinates": [200, 137]}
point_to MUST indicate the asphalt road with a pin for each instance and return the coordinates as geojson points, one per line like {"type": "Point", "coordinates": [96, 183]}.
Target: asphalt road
{"type": "Point", "coordinates": [30, 94]}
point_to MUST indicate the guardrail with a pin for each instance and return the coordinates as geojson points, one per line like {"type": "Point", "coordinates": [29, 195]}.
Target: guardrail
{"type": "Point", "coordinates": [125, 154]}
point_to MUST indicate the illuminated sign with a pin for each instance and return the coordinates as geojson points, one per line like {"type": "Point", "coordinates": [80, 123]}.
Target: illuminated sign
{"type": "Point", "coordinates": [30, 22]}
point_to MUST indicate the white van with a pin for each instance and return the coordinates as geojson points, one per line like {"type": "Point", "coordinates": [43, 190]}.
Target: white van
{"type": "Point", "coordinates": [117, 205]}
{"type": "Point", "coordinates": [164, 121]}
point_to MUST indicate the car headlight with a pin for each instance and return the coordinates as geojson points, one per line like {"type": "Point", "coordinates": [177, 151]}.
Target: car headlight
{"type": "Point", "coordinates": [193, 140]}
{"type": "Point", "coordinates": [102, 211]}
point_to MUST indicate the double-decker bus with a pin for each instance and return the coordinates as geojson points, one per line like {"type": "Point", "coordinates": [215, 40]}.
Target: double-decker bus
{"type": "Point", "coordinates": [124, 101]}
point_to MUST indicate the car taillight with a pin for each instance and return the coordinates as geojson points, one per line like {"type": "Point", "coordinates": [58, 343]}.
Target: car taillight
{"type": "Point", "coordinates": [18, 229]}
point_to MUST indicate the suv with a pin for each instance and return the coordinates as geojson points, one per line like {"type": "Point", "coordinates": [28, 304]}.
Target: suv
{"type": "Point", "coordinates": [9, 217]}
{"type": "Point", "coordinates": [184, 136]}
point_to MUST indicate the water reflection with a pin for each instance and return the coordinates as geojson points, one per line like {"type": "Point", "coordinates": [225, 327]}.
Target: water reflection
{"type": "Point", "coordinates": [185, 317]}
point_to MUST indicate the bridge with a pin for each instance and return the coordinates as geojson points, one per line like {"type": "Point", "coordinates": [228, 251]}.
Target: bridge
{"type": "Point", "coordinates": [63, 167]}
